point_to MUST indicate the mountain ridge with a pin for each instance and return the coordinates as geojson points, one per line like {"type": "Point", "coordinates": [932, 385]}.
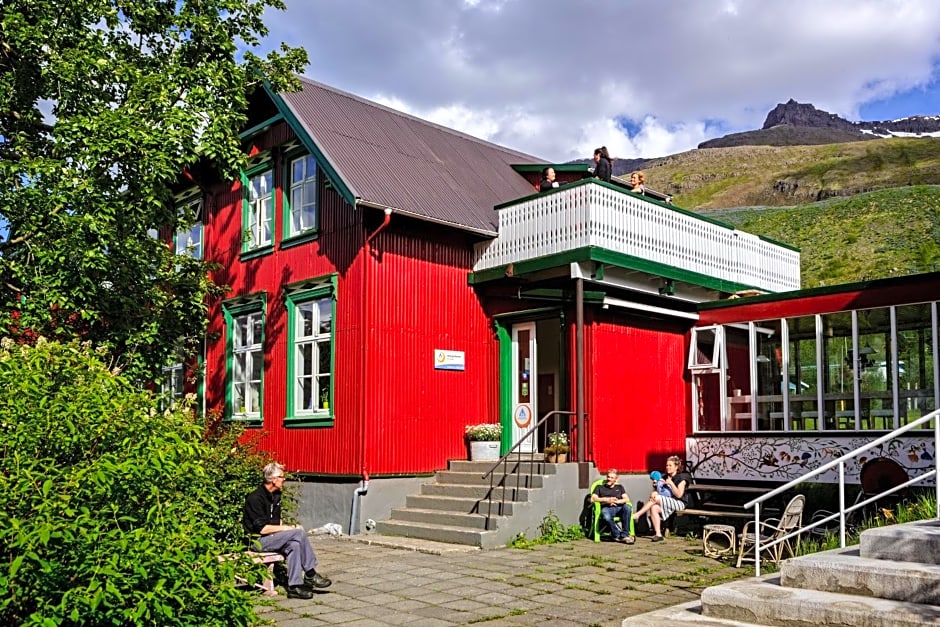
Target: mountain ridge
{"type": "Point", "coordinates": [794, 123]}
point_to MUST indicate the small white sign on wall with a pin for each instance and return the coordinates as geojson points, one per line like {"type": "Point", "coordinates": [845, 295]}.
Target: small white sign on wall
{"type": "Point", "coordinates": [448, 360]}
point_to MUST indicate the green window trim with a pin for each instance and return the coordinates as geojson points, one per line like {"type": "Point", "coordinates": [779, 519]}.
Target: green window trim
{"type": "Point", "coordinates": [232, 310]}
{"type": "Point", "coordinates": [253, 245]}
{"type": "Point", "coordinates": [296, 296]}
{"type": "Point", "coordinates": [301, 235]}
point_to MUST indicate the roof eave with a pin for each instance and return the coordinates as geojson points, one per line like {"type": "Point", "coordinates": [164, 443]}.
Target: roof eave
{"type": "Point", "coordinates": [340, 183]}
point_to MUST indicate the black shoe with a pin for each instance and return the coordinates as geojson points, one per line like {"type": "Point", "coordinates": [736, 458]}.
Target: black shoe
{"type": "Point", "coordinates": [316, 580]}
{"type": "Point", "coordinates": [299, 592]}
{"type": "Point", "coordinates": [658, 538]}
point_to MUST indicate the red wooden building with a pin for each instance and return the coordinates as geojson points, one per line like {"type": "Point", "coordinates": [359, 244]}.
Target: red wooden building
{"type": "Point", "coordinates": [393, 281]}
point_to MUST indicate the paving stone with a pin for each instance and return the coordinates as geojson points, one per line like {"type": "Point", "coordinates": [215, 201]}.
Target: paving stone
{"type": "Point", "coordinates": [577, 583]}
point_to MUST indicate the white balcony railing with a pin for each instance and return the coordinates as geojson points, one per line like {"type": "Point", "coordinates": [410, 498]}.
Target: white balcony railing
{"type": "Point", "coordinates": [590, 214]}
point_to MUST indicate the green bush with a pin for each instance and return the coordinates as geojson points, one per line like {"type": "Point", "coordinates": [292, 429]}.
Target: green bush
{"type": "Point", "coordinates": [115, 513]}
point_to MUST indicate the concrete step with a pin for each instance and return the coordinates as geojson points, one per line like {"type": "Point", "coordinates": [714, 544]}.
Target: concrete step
{"type": "Point", "coordinates": [477, 492]}
{"type": "Point", "coordinates": [846, 572]}
{"type": "Point", "coordinates": [512, 467]}
{"type": "Point", "coordinates": [455, 504]}
{"type": "Point", "coordinates": [473, 478]}
{"type": "Point", "coordinates": [439, 517]}
{"type": "Point", "coordinates": [911, 542]}
{"type": "Point", "coordinates": [766, 602]}
{"type": "Point", "coordinates": [437, 533]}
{"type": "Point", "coordinates": [689, 613]}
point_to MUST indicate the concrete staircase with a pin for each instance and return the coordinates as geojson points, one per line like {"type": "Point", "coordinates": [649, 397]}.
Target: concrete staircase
{"type": "Point", "coordinates": [453, 508]}
{"type": "Point", "coordinates": [892, 578]}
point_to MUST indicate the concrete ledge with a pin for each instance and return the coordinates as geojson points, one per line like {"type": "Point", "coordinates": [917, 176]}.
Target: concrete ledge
{"type": "Point", "coordinates": [846, 572]}
{"type": "Point", "coordinates": [686, 614]}
{"type": "Point", "coordinates": [911, 542]}
{"type": "Point", "coordinates": [766, 602]}
{"type": "Point", "coordinates": [410, 544]}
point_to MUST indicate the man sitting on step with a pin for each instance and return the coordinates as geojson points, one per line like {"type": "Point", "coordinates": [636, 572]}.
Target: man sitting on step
{"type": "Point", "coordinates": [614, 504]}
{"type": "Point", "coordinates": [261, 519]}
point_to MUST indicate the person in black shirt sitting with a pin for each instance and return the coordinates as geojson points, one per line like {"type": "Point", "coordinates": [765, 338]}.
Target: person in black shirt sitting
{"type": "Point", "coordinates": [614, 504]}
{"type": "Point", "coordinates": [261, 519]}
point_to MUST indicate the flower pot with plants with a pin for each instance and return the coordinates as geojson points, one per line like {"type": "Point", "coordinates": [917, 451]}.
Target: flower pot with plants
{"type": "Point", "coordinates": [484, 441]}
{"type": "Point", "coordinates": [557, 450]}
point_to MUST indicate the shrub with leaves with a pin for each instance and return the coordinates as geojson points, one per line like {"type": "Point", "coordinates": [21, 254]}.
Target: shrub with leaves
{"type": "Point", "coordinates": [115, 513]}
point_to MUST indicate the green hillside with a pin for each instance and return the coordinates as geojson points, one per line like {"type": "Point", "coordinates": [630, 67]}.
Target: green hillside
{"type": "Point", "coordinates": [879, 234]}
{"type": "Point", "coordinates": [741, 176]}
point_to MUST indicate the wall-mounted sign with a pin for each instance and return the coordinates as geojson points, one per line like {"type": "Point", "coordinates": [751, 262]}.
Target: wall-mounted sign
{"type": "Point", "coordinates": [448, 360]}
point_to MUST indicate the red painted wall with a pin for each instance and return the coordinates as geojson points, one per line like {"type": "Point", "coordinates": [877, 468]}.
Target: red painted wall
{"type": "Point", "coordinates": [394, 413]}
{"type": "Point", "coordinates": [637, 394]}
{"type": "Point", "coordinates": [419, 301]}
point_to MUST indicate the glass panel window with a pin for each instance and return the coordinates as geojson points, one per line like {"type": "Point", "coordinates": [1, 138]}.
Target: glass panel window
{"type": "Point", "coordinates": [260, 210]}
{"type": "Point", "coordinates": [874, 369]}
{"type": "Point", "coordinates": [310, 366]}
{"type": "Point", "coordinates": [245, 325]}
{"type": "Point", "coordinates": [916, 361]}
{"type": "Point", "coordinates": [839, 371]}
{"type": "Point", "coordinates": [171, 386]}
{"type": "Point", "coordinates": [303, 195]}
{"type": "Point", "coordinates": [704, 351]}
{"type": "Point", "coordinates": [189, 240]}
{"type": "Point", "coordinates": [770, 380]}
{"type": "Point", "coordinates": [313, 359]}
{"type": "Point", "coordinates": [801, 373]}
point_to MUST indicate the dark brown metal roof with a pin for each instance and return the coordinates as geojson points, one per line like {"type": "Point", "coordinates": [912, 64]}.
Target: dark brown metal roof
{"type": "Point", "coordinates": [393, 159]}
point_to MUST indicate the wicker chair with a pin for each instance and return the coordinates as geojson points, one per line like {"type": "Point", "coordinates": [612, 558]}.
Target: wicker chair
{"type": "Point", "coordinates": [772, 529]}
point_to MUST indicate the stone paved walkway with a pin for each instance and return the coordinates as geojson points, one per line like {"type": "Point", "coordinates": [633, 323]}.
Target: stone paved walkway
{"type": "Point", "coordinates": [570, 584]}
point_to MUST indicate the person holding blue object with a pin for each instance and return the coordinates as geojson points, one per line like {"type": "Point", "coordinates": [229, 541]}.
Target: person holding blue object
{"type": "Point", "coordinates": [668, 497]}
{"type": "Point", "coordinates": [614, 504]}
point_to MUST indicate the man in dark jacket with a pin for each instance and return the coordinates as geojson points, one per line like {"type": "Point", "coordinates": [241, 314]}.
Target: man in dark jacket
{"type": "Point", "coordinates": [261, 519]}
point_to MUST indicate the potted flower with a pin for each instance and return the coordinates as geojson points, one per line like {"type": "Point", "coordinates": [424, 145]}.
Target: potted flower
{"type": "Point", "coordinates": [484, 441]}
{"type": "Point", "coordinates": [557, 449]}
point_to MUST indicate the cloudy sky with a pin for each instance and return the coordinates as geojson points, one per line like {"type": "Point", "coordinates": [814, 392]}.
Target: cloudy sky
{"type": "Point", "coordinates": [647, 78]}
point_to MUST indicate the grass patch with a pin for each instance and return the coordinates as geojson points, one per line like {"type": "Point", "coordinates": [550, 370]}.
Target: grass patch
{"type": "Point", "coordinates": [551, 531]}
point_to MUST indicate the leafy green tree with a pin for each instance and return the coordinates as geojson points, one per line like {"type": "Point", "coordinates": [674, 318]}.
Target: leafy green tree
{"type": "Point", "coordinates": [104, 105]}
{"type": "Point", "coordinates": [114, 513]}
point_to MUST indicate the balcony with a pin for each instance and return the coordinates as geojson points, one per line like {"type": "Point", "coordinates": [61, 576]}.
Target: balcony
{"type": "Point", "coordinates": [605, 222]}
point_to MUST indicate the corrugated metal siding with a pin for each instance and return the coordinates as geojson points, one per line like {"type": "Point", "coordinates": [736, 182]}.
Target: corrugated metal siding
{"type": "Point", "coordinates": [335, 450]}
{"type": "Point", "coordinates": [419, 301]}
{"type": "Point", "coordinates": [637, 398]}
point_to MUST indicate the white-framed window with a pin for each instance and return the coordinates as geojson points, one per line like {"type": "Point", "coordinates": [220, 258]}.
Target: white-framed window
{"type": "Point", "coordinates": [705, 348]}
{"type": "Point", "coordinates": [189, 240]}
{"type": "Point", "coordinates": [172, 385]}
{"type": "Point", "coordinates": [302, 195]}
{"type": "Point", "coordinates": [245, 358]}
{"type": "Point", "coordinates": [311, 311]}
{"type": "Point", "coordinates": [259, 210]}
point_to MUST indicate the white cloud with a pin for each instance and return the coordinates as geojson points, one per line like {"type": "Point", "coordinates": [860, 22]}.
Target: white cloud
{"type": "Point", "coordinates": [556, 77]}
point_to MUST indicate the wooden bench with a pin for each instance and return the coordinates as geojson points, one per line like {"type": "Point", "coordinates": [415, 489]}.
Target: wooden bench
{"type": "Point", "coordinates": [258, 557]}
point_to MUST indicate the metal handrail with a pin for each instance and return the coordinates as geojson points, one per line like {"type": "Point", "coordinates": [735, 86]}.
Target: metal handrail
{"type": "Point", "coordinates": [843, 510]}
{"type": "Point", "coordinates": [504, 460]}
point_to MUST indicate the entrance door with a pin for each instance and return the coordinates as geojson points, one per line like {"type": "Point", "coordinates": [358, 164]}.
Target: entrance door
{"type": "Point", "coordinates": [524, 378]}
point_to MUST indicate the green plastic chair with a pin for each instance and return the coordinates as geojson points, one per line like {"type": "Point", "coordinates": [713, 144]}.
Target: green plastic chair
{"type": "Point", "coordinates": [597, 514]}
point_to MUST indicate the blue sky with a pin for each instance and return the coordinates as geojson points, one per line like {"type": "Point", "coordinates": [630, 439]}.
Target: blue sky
{"type": "Point", "coordinates": [557, 78]}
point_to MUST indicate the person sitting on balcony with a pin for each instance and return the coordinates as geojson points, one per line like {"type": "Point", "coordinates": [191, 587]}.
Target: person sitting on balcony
{"type": "Point", "coordinates": [602, 164]}
{"type": "Point", "coordinates": [658, 508]}
{"type": "Point", "coordinates": [637, 182]}
{"type": "Point", "coordinates": [548, 180]}
{"type": "Point", "coordinates": [614, 504]}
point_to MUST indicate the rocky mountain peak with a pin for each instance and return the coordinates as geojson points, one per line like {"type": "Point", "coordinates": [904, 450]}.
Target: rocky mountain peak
{"type": "Point", "coordinates": [793, 113]}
